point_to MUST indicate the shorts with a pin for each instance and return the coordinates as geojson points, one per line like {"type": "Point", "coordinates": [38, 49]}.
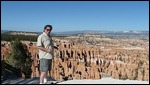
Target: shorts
{"type": "Point", "coordinates": [45, 64]}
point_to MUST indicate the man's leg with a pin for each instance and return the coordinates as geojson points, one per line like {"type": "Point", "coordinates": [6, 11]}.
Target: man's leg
{"type": "Point", "coordinates": [45, 78]}
{"type": "Point", "coordinates": [44, 69]}
{"type": "Point", "coordinates": [42, 76]}
{"type": "Point", "coordinates": [45, 66]}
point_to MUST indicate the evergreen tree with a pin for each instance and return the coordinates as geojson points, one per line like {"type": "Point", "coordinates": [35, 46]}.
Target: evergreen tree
{"type": "Point", "coordinates": [19, 57]}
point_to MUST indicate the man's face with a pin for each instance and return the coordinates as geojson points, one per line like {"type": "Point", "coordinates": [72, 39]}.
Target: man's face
{"type": "Point", "coordinates": [48, 30]}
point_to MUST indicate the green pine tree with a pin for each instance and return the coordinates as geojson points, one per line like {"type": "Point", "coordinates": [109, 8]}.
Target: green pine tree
{"type": "Point", "coordinates": [19, 57]}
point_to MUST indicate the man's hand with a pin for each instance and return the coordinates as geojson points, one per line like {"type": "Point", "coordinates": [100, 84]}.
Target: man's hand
{"type": "Point", "coordinates": [48, 50]}
{"type": "Point", "coordinates": [58, 48]}
{"type": "Point", "coordinates": [44, 49]}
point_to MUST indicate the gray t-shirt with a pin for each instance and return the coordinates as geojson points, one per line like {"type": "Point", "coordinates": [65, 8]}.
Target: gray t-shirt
{"type": "Point", "coordinates": [47, 42]}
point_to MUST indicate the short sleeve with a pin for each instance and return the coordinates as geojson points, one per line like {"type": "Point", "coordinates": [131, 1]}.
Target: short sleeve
{"type": "Point", "coordinates": [39, 41]}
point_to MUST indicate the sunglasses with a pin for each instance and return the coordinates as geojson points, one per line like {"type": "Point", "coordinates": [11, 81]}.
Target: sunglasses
{"type": "Point", "coordinates": [48, 29]}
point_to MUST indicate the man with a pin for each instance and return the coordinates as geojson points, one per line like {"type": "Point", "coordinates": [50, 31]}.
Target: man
{"type": "Point", "coordinates": [46, 52]}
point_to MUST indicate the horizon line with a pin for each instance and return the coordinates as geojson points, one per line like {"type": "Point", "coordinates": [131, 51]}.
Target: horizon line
{"type": "Point", "coordinates": [76, 30]}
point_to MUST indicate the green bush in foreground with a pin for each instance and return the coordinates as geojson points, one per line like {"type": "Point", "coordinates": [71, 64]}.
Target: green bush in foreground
{"type": "Point", "coordinates": [19, 58]}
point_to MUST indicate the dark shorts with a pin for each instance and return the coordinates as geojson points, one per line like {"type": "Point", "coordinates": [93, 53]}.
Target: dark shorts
{"type": "Point", "coordinates": [45, 64]}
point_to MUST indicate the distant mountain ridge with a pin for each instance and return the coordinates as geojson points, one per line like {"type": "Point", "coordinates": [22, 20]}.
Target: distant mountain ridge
{"type": "Point", "coordinates": [2, 31]}
{"type": "Point", "coordinates": [9, 31]}
{"type": "Point", "coordinates": [19, 33]}
{"type": "Point", "coordinates": [102, 32]}
{"type": "Point", "coordinates": [84, 31]}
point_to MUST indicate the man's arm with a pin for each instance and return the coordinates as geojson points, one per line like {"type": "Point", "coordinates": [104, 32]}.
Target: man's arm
{"type": "Point", "coordinates": [44, 49]}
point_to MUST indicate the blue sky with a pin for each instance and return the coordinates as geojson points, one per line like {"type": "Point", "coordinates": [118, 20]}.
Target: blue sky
{"type": "Point", "coordinates": [75, 15]}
